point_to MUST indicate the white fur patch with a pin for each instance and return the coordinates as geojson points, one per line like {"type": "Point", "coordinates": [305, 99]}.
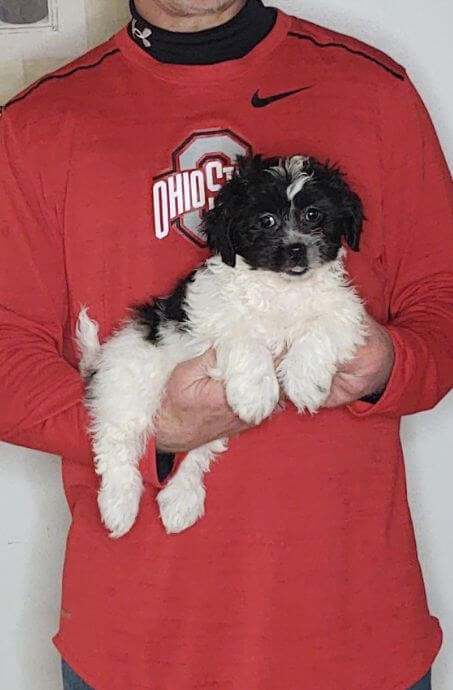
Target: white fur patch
{"type": "Point", "coordinates": [87, 340]}
{"type": "Point", "coordinates": [249, 317]}
{"type": "Point", "coordinates": [294, 168]}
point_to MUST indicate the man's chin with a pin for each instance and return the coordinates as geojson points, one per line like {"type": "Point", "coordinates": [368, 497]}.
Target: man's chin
{"type": "Point", "coordinates": [195, 8]}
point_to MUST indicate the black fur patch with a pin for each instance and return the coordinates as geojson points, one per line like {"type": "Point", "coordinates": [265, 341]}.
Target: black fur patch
{"type": "Point", "coordinates": [239, 222]}
{"type": "Point", "coordinates": [152, 315]}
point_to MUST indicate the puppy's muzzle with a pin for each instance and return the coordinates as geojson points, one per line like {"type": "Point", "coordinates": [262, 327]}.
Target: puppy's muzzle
{"type": "Point", "coordinates": [296, 258]}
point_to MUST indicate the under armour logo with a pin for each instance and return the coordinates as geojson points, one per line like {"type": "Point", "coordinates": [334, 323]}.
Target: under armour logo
{"type": "Point", "coordinates": [143, 35]}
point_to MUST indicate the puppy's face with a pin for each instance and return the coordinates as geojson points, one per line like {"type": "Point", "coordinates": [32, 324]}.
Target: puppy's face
{"type": "Point", "coordinates": [284, 215]}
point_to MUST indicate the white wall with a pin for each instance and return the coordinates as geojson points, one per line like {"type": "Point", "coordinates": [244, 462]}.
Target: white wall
{"type": "Point", "coordinates": [33, 513]}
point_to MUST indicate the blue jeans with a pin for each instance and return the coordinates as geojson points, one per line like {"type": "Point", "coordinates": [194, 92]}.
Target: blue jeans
{"type": "Point", "coordinates": [73, 682]}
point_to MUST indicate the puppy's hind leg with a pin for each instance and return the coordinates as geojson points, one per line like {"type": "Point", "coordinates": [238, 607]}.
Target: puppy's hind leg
{"type": "Point", "coordinates": [181, 501]}
{"type": "Point", "coordinates": [123, 398]}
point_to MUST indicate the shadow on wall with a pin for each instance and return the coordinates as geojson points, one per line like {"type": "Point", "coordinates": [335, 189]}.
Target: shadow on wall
{"type": "Point", "coordinates": [23, 11]}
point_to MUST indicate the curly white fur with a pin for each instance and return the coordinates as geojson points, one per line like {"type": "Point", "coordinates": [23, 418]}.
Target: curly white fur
{"type": "Point", "coordinates": [250, 317]}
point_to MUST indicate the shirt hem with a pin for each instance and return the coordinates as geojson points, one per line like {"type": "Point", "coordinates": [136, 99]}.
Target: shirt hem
{"type": "Point", "coordinates": [423, 668]}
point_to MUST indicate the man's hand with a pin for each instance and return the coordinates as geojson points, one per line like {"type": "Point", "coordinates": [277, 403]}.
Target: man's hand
{"type": "Point", "coordinates": [368, 372]}
{"type": "Point", "coordinates": [194, 410]}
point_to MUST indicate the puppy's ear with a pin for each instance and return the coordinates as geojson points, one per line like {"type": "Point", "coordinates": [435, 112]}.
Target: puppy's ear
{"type": "Point", "coordinates": [218, 227]}
{"type": "Point", "coordinates": [222, 223]}
{"type": "Point", "coordinates": [353, 219]}
{"type": "Point", "coordinates": [348, 202]}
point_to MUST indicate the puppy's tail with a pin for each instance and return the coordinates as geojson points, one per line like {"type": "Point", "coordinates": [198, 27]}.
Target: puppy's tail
{"type": "Point", "coordinates": [87, 339]}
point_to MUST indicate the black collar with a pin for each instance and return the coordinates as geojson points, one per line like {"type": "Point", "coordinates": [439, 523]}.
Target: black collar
{"type": "Point", "coordinates": [229, 41]}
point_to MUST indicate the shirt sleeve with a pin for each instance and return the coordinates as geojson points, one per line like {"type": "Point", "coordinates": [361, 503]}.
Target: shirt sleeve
{"type": "Point", "coordinates": [417, 203]}
{"type": "Point", "coordinates": [40, 392]}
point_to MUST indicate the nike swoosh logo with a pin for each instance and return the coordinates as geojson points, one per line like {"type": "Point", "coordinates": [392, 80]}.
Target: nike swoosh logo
{"type": "Point", "coordinates": [259, 102]}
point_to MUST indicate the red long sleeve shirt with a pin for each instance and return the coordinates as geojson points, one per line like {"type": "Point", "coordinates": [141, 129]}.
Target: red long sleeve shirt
{"type": "Point", "coordinates": [304, 571]}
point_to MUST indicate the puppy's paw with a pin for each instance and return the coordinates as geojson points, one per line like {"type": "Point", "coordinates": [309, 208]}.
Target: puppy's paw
{"type": "Point", "coordinates": [252, 398]}
{"type": "Point", "coordinates": [119, 499]}
{"type": "Point", "coordinates": [181, 504]}
{"type": "Point", "coordinates": [308, 390]}
{"type": "Point", "coordinates": [306, 397]}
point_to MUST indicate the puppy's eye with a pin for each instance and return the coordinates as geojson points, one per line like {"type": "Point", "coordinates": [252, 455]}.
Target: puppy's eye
{"type": "Point", "coordinates": [312, 215]}
{"type": "Point", "coordinates": [267, 221]}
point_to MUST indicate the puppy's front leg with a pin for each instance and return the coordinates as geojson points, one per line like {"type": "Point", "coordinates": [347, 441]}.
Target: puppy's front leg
{"type": "Point", "coordinates": [306, 372]}
{"type": "Point", "coordinates": [251, 385]}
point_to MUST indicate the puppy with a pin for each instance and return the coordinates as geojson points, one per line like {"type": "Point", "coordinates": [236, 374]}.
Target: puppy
{"type": "Point", "coordinates": [275, 287]}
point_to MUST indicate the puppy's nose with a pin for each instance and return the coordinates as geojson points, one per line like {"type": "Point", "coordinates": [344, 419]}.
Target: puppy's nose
{"type": "Point", "coordinates": [297, 251]}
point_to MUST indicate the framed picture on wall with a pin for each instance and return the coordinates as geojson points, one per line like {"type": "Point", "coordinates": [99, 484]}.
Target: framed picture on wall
{"type": "Point", "coordinates": [25, 15]}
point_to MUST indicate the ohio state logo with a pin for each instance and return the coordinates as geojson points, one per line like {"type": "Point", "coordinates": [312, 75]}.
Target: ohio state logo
{"type": "Point", "coordinates": [201, 165]}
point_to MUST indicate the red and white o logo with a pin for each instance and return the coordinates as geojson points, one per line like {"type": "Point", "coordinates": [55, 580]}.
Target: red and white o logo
{"type": "Point", "coordinates": [202, 164]}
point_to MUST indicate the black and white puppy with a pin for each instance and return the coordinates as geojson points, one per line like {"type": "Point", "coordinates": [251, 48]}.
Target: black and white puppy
{"type": "Point", "coordinates": [275, 287]}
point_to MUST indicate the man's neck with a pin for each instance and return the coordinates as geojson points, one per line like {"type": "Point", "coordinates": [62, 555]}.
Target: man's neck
{"type": "Point", "coordinates": [229, 40]}
{"type": "Point", "coordinates": [170, 16]}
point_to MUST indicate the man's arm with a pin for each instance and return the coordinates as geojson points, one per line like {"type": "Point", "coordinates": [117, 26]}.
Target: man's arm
{"type": "Point", "coordinates": [41, 394]}
{"type": "Point", "coordinates": [411, 358]}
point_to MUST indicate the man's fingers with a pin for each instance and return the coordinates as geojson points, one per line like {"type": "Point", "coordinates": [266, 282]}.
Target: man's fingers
{"type": "Point", "coordinates": [337, 399]}
{"type": "Point", "coordinates": [208, 359]}
{"type": "Point", "coordinates": [339, 393]}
